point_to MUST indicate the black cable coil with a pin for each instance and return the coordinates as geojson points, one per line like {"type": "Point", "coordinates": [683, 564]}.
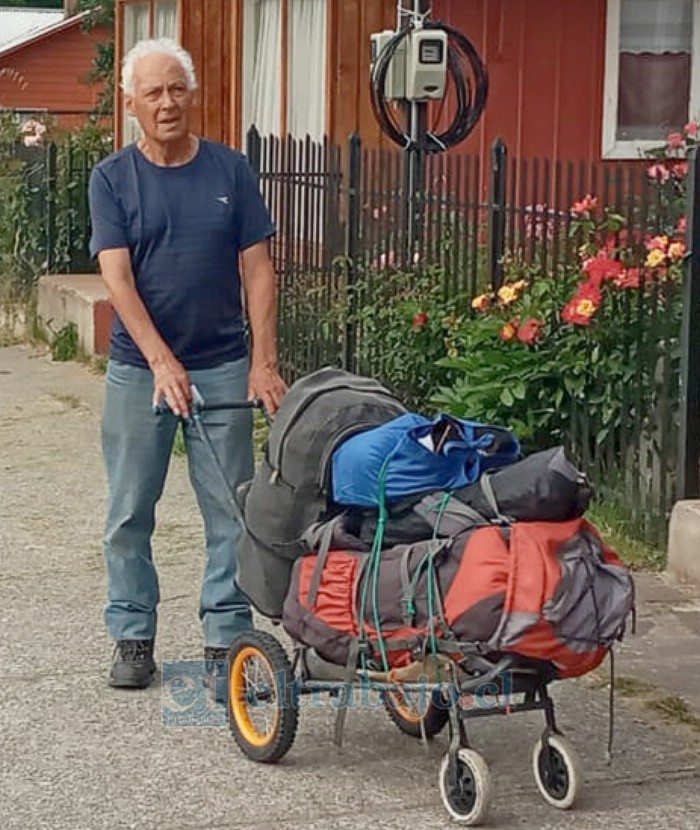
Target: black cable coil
{"type": "Point", "coordinates": [471, 86]}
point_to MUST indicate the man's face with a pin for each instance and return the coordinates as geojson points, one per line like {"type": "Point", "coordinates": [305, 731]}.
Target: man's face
{"type": "Point", "coordinates": [161, 101]}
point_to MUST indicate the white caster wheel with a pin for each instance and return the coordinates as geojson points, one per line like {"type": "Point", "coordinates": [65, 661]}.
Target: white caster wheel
{"type": "Point", "coordinates": [467, 796]}
{"type": "Point", "coordinates": [557, 772]}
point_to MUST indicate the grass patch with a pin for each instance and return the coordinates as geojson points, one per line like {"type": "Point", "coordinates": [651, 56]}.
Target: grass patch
{"type": "Point", "coordinates": [96, 363]}
{"type": "Point", "coordinates": [7, 338]}
{"type": "Point", "coordinates": [260, 433]}
{"type": "Point", "coordinates": [64, 344]}
{"type": "Point", "coordinates": [620, 534]}
{"type": "Point", "coordinates": [674, 708]}
{"type": "Point", "coordinates": [624, 686]}
{"type": "Point", "coordinates": [630, 687]}
{"type": "Point", "coordinates": [179, 449]}
{"type": "Point", "coordinates": [71, 401]}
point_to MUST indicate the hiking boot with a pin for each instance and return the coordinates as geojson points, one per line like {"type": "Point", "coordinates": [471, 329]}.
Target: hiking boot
{"type": "Point", "coordinates": [133, 666]}
{"type": "Point", "coordinates": [216, 673]}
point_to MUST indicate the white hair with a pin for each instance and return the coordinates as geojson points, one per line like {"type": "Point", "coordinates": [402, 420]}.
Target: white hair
{"type": "Point", "coordinates": [159, 46]}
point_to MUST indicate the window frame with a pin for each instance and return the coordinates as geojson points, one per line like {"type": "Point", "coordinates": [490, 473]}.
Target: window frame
{"type": "Point", "coordinates": [613, 148]}
{"type": "Point", "coordinates": [239, 129]}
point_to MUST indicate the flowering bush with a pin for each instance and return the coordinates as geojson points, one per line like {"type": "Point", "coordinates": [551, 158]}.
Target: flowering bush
{"type": "Point", "coordinates": [542, 349]}
{"type": "Point", "coordinates": [404, 326]}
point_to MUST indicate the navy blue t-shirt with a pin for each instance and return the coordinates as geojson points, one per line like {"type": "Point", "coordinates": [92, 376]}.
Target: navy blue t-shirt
{"type": "Point", "coordinates": [184, 228]}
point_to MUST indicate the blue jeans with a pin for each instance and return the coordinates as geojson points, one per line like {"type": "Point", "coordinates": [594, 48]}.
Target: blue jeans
{"type": "Point", "coordinates": [137, 447]}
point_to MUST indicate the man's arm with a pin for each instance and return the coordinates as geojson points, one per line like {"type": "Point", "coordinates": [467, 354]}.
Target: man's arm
{"type": "Point", "coordinates": [170, 378]}
{"type": "Point", "coordinates": [261, 300]}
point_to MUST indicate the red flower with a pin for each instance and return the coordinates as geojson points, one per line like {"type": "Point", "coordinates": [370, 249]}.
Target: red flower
{"type": "Point", "coordinates": [601, 267]}
{"type": "Point", "coordinates": [613, 241]}
{"type": "Point", "coordinates": [583, 306]}
{"type": "Point", "coordinates": [682, 226]}
{"type": "Point", "coordinates": [420, 320]}
{"type": "Point", "coordinates": [680, 169]}
{"type": "Point", "coordinates": [659, 172]}
{"type": "Point", "coordinates": [585, 206]}
{"type": "Point", "coordinates": [629, 278]}
{"type": "Point", "coordinates": [691, 128]}
{"type": "Point", "coordinates": [657, 243]}
{"type": "Point", "coordinates": [530, 331]}
{"type": "Point", "coordinates": [675, 141]}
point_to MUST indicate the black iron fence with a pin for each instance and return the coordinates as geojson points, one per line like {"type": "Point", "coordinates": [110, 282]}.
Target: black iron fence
{"type": "Point", "coordinates": [353, 243]}
{"type": "Point", "coordinates": [347, 225]}
{"type": "Point", "coordinates": [44, 209]}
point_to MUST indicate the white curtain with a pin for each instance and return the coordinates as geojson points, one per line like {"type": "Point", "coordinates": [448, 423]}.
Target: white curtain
{"type": "Point", "coordinates": [262, 70]}
{"type": "Point", "coordinates": [135, 29]}
{"type": "Point", "coordinates": [307, 69]}
{"type": "Point", "coordinates": [135, 24]}
{"type": "Point", "coordinates": [165, 19]}
{"type": "Point", "coordinates": [655, 67]}
{"type": "Point", "coordinates": [656, 26]}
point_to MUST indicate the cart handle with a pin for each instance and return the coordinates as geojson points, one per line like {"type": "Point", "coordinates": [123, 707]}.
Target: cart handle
{"type": "Point", "coordinates": [199, 406]}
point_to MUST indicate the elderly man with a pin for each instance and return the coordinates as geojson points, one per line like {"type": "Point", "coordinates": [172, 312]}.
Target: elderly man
{"type": "Point", "coordinates": [173, 216]}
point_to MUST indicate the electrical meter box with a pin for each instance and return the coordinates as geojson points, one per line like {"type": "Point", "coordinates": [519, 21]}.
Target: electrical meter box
{"type": "Point", "coordinates": [395, 82]}
{"type": "Point", "coordinates": [426, 65]}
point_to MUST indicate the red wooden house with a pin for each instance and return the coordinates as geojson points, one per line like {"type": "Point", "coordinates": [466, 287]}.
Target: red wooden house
{"type": "Point", "coordinates": [576, 81]}
{"type": "Point", "coordinates": [44, 67]}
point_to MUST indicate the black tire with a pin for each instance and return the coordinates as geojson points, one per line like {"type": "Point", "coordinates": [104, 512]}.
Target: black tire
{"type": "Point", "coordinates": [277, 692]}
{"type": "Point", "coordinates": [408, 717]}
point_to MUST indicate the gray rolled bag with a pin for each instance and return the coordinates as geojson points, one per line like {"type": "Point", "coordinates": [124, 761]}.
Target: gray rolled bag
{"type": "Point", "coordinates": [544, 487]}
{"type": "Point", "coordinates": [291, 486]}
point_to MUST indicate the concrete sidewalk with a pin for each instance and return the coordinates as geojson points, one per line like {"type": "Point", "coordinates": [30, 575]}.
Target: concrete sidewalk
{"type": "Point", "coordinates": [75, 755]}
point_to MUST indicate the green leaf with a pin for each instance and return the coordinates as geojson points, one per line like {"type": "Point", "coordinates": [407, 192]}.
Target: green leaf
{"type": "Point", "coordinates": [519, 390]}
{"type": "Point", "coordinates": [507, 398]}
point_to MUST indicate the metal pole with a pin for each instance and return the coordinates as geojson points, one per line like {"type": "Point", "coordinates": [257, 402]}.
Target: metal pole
{"type": "Point", "coordinates": [497, 211]}
{"type": "Point", "coordinates": [417, 118]}
{"type": "Point", "coordinates": [51, 176]}
{"type": "Point", "coordinates": [689, 445]}
{"type": "Point", "coordinates": [352, 245]}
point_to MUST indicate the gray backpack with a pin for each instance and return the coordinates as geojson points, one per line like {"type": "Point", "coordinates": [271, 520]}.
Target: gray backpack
{"type": "Point", "coordinates": [290, 489]}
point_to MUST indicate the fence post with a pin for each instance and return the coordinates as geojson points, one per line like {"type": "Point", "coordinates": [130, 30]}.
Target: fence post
{"type": "Point", "coordinates": [497, 211]}
{"type": "Point", "coordinates": [51, 172]}
{"type": "Point", "coordinates": [352, 245]}
{"type": "Point", "coordinates": [689, 449]}
{"type": "Point", "coordinates": [254, 148]}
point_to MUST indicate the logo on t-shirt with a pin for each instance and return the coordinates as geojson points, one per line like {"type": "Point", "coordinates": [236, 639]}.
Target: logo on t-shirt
{"type": "Point", "coordinates": [225, 200]}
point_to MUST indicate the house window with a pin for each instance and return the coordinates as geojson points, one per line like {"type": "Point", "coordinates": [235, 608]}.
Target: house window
{"type": "Point", "coordinates": [651, 70]}
{"type": "Point", "coordinates": [284, 67]}
{"type": "Point", "coordinates": [144, 19]}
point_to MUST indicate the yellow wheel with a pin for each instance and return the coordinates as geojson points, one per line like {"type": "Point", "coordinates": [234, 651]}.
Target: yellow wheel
{"type": "Point", "coordinates": [263, 710]}
{"type": "Point", "coordinates": [408, 709]}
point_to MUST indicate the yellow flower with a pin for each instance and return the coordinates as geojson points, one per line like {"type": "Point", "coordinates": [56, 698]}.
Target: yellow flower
{"type": "Point", "coordinates": [507, 294]}
{"type": "Point", "coordinates": [676, 250]}
{"type": "Point", "coordinates": [481, 303]}
{"type": "Point", "coordinates": [520, 285]}
{"type": "Point", "coordinates": [656, 258]}
{"type": "Point", "coordinates": [508, 332]}
{"type": "Point", "coordinates": [586, 308]}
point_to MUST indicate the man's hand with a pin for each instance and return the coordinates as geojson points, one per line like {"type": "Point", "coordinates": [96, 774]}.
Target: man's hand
{"type": "Point", "coordinates": [171, 381]}
{"type": "Point", "coordinates": [264, 382]}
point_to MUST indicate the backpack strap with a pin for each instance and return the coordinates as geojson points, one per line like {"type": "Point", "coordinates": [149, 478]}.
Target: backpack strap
{"type": "Point", "coordinates": [450, 520]}
{"type": "Point", "coordinates": [319, 538]}
{"type": "Point", "coordinates": [487, 490]}
{"type": "Point", "coordinates": [408, 608]}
